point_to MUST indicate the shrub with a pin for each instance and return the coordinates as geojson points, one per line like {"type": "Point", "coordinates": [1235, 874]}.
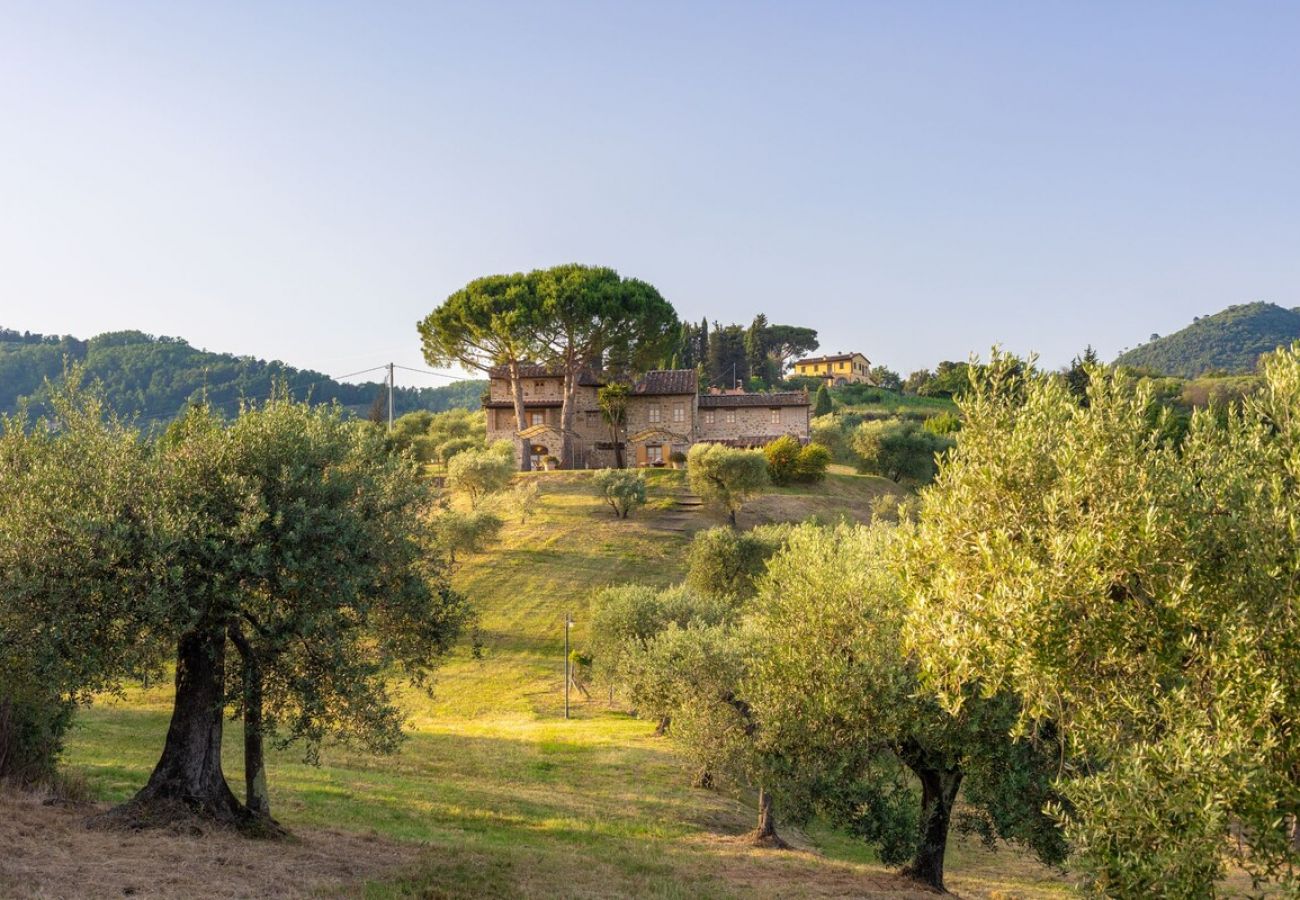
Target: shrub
{"type": "Point", "coordinates": [677, 458]}
{"type": "Point", "coordinates": [822, 403]}
{"type": "Point", "coordinates": [812, 463]}
{"type": "Point", "coordinates": [723, 562]}
{"type": "Point", "coordinates": [31, 737]}
{"type": "Point", "coordinates": [480, 473]}
{"type": "Point", "coordinates": [782, 459]}
{"type": "Point", "coordinates": [622, 489]}
{"type": "Point", "coordinates": [898, 449]}
{"type": "Point", "coordinates": [943, 423]}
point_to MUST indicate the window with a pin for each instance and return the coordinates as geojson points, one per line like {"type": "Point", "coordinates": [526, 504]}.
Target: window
{"type": "Point", "coordinates": [776, 417]}
{"type": "Point", "coordinates": [708, 417]}
{"type": "Point", "coordinates": [731, 416]}
{"type": "Point", "coordinates": [654, 454]}
{"type": "Point", "coordinates": [679, 412]}
{"type": "Point", "coordinates": [653, 413]}
{"type": "Point", "coordinates": [537, 417]}
{"type": "Point", "coordinates": [593, 418]}
{"type": "Point", "coordinates": [539, 386]}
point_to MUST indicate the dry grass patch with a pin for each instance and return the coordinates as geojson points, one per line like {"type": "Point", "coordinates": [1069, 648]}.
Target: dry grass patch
{"type": "Point", "coordinates": [50, 853]}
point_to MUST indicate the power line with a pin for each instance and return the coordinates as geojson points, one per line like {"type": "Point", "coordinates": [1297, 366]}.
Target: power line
{"type": "Point", "coordinates": [354, 374]}
{"type": "Point", "coordinates": [431, 372]}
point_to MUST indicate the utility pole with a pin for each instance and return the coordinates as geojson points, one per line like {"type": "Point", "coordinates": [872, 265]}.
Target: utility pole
{"type": "Point", "coordinates": [390, 396]}
{"type": "Point", "coordinates": [568, 623]}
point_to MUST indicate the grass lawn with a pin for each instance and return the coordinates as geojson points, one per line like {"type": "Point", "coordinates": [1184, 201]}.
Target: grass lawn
{"type": "Point", "coordinates": [504, 797]}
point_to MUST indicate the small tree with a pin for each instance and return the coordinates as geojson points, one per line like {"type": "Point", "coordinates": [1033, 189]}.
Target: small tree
{"type": "Point", "coordinates": [887, 378]}
{"type": "Point", "coordinates": [726, 477]}
{"type": "Point", "coordinates": [898, 449]}
{"type": "Point", "coordinates": [612, 399]}
{"type": "Point", "coordinates": [478, 474]}
{"type": "Point", "coordinates": [622, 489]}
{"type": "Point", "coordinates": [822, 403]}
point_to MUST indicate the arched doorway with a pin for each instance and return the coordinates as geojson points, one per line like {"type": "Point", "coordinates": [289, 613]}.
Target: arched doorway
{"type": "Point", "coordinates": [538, 452]}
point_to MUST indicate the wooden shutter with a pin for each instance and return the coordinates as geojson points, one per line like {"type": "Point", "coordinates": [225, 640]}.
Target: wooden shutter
{"type": "Point", "coordinates": [640, 455]}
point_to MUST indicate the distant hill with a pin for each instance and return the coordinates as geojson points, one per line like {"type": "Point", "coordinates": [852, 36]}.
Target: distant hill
{"type": "Point", "coordinates": [1230, 341]}
{"type": "Point", "coordinates": [153, 378]}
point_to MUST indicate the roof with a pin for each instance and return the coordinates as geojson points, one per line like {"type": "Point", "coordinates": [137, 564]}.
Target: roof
{"type": "Point", "coordinates": [774, 398]}
{"type": "Point", "coordinates": [833, 357]}
{"type": "Point", "coordinates": [528, 404]}
{"type": "Point", "coordinates": [668, 381]}
{"type": "Point", "coordinates": [533, 370]}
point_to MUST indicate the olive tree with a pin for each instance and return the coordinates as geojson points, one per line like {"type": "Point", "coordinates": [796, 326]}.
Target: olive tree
{"type": "Point", "coordinates": [898, 449]}
{"type": "Point", "coordinates": [1139, 595]}
{"type": "Point", "coordinates": [479, 474]}
{"type": "Point", "coordinates": [299, 540]}
{"type": "Point", "coordinates": [79, 604]}
{"type": "Point", "coordinates": [621, 489]}
{"type": "Point", "coordinates": [837, 696]}
{"type": "Point", "coordinates": [726, 477]}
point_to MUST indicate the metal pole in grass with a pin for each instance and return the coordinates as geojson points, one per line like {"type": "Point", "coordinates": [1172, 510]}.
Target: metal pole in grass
{"type": "Point", "coordinates": [568, 623]}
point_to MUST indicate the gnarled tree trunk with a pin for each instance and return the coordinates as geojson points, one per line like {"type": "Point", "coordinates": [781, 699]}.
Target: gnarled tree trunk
{"type": "Point", "coordinates": [188, 781]}
{"type": "Point", "coordinates": [939, 789]}
{"type": "Point", "coordinates": [765, 834]}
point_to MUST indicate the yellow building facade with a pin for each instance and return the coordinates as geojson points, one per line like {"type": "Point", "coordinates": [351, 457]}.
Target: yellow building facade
{"type": "Point", "coordinates": [840, 368]}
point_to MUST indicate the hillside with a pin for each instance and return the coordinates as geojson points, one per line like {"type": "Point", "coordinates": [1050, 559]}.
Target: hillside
{"type": "Point", "coordinates": [495, 794]}
{"type": "Point", "coordinates": [154, 377]}
{"type": "Point", "coordinates": [1230, 341]}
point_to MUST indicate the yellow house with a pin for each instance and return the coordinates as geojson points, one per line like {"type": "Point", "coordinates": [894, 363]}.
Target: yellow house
{"type": "Point", "coordinates": [841, 368]}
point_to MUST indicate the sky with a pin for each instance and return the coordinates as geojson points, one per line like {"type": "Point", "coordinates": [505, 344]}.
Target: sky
{"type": "Point", "coordinates": [917, 181]}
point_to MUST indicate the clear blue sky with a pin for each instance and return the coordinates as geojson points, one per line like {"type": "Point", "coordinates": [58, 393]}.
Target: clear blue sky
{"type": "Point", "coordinates": [915, 180]}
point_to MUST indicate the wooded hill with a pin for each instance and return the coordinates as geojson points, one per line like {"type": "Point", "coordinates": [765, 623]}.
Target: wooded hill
{"type": "Point", "coordinates": [1228, 342]}
{"type": "Point", "coordinates": [155, 377]}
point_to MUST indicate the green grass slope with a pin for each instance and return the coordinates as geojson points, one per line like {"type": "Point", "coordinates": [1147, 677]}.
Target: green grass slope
{"type": "Point", "coordinates": [507, 799]}
{"type": "Point", "coordinates": [1230, 341]}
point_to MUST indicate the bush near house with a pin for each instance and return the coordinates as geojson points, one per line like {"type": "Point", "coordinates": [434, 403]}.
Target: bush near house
{"type": "Point", "coordinates": [622, 489]}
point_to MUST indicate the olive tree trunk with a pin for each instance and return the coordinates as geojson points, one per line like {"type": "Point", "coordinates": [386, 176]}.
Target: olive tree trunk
{"type": "Point", "coordinates": [257, 799]}
{"type": "Point", "coordinates": [188, 781]}
{"type": "Point", "coordinates": [939, 789]}
{"type": "Point", "coordinates": [765, 834]}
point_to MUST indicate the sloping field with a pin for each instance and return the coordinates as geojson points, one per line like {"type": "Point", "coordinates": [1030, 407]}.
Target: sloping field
{"type": "Point", "coordinates": [494, 794]}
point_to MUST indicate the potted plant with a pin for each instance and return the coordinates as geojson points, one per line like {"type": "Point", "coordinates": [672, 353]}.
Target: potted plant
{"type": "Point", "coordinates": [677, 458]}
{"type": "Point", "coordinates": [550, 463]}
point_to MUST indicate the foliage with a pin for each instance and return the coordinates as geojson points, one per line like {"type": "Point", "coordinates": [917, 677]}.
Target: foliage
{"type": "Point", "coordinates": [612, 399]}
{"type": "Point", "coordinates": [726, 477]}
{"type": "Point", "coordinates": [943, 424]}
{"type": "Point", "coordinates": [782, 459]}
{"type": "Point", "coordinates": [622, 489]}
{"type": "Point", "coordinates": [523, 498]}
{"type": "Point", "coordinates": [726, 563]}
{"type": "Point", "coordinates": [437, 437]}
{"type": "Point", "coordinates": [898, 449]}
{"type": "Point", "coordinates": [625, 618]}
{"type": "Point", "coordinates": [812, 463]}
{"type": "Point", "coordinates": [822, 401]}
{"type": "Point", "coordinates": [839, 703]}
{"type": "Point", "coordinates": [1230, 341]}
{"type": "Point", "coordinates": [456, 534]}
{"type": "Point", "coordinates": [156, 378]}
{"type": "Point", "coordinates": [480, 473]}
{"type": "Point", "coordinates": [78, 596]}
{"type": "Point", "coordinates": [887, 378]}
{"type": "Point", "coordinates": [1138, 595]}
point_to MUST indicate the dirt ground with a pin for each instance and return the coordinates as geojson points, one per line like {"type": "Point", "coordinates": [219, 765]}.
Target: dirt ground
{"type": "Point", "coordinates": [47, 852]}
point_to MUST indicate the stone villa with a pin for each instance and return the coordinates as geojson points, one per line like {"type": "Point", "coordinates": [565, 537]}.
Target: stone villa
{"type": "Point", "coordinates": [665, 414]}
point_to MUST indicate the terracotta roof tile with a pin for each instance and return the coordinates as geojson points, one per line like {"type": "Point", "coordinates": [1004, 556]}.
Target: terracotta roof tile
{"type": "Point", "coordinates": [668, 381]}
{"type": "Point", "coordinates": [775, 398]}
